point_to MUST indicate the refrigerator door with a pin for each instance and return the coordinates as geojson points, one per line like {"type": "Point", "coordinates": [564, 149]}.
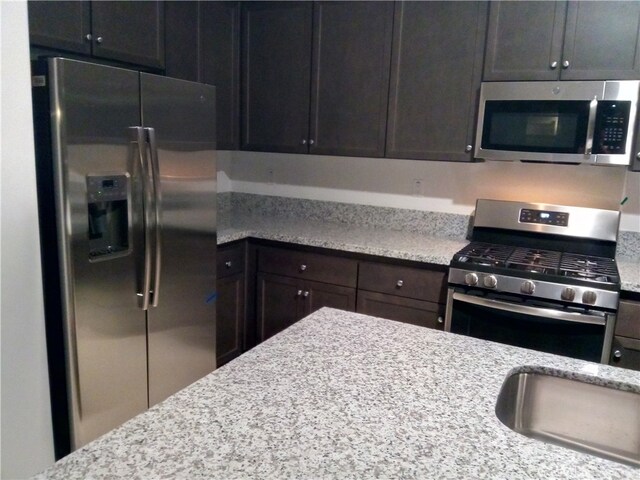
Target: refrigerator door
{"type": "Point", "coordinates": [180, 117]}
{"type": "Point", "coordinates": [95, 179]}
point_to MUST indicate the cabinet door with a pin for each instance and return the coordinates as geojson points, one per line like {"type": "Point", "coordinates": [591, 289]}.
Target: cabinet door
{"type": "Point", "coordinates": [524, 40]}
{"type": "Point", "coordinates": [220, 66]}
{"type": "Point", "coordinates": [276, 69]}
{"type": "Point", "coordinates": [350, 77]}
{"type": "Point", "coordinates": [181, 40]}
{"type": "Point", "coordinates": [60, 25]}
{"type": "Point", "coordinates": [625, 353]}
{"type": "Point", "coordinates": [317, 295]}
{"type": "Point", "coordinates": [435, 79]}
{"type": "Point", "coordinates": [602, 41]}
{"type": "Point", "coordinates": [279, 304]}
{"type": "Point", "coordinates": [129, 32]}
{"type": "Point", "coordinates": [406, 310]}
{"type": "Point", "coordinates": [230, 318]}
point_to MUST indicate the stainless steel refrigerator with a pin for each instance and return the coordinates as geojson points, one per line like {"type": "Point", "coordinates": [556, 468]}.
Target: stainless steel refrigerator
{"type": "Point", "coordinates": [127, 198]}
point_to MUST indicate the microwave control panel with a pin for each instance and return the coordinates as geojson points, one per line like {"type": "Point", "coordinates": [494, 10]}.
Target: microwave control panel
{"type": "Point", "coordinates": [612, 124]}
{"type": "Point", "coordinates": [545, 217]}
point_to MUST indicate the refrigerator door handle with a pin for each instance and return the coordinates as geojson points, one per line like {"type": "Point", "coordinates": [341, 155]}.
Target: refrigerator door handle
{"type": "Point", "coordinates": [140, 141]}
{"type": "Point", "coordinates": [155, 179]}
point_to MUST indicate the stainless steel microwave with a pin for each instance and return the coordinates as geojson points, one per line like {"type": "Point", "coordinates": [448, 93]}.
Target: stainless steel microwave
{"type": "Point", "coordinates": [564, 122]}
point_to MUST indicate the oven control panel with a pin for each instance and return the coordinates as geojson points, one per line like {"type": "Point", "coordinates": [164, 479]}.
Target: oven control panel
{"type": "Point", "coordinates": [545, 217]}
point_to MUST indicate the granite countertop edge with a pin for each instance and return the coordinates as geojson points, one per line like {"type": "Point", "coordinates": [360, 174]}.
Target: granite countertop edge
{"type": "Point", "coordinates": [380, 242]}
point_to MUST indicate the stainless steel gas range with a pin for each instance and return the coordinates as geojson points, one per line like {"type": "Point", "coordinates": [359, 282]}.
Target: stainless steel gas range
{"type": "Point", "coordinates": [538, 276]}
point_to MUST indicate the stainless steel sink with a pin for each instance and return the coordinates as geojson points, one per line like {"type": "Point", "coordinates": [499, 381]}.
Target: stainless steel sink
{"type": "Point", "coordinates": [595, 419]}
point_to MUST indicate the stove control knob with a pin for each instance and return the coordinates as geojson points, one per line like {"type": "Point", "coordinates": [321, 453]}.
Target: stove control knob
{"type": "Point", "coordinates": [589, 297]}
{"type": "Point", "coordinates": [528, 287]}
{"type": "Point", "coordinates": [471, 279]}
{"type": "Point", "coordinates": [568, 294]}
{"type": "Point", "coordinates": [490, 281]}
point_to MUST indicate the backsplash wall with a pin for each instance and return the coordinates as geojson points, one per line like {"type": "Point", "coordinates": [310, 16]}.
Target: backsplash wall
{"type": "Point", "coordinates": [429, 186]}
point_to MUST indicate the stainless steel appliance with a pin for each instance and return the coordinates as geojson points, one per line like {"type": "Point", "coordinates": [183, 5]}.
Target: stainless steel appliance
{"type": "Point", "coordinates": [127, 198]}
{"type": "Point", "coordinates": [566, 122]}
{"type": "Point", "coordinates": [538, 276]}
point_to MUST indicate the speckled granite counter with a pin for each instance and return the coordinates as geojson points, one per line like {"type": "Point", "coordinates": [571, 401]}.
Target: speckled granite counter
{"type": "Point", "coordinates": [343, 395]}
{"type": "Point", "coordinates": [390, 243]}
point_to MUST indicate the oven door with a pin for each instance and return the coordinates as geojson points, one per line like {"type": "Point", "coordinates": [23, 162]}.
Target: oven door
{"type": "Point", "coordinates": [582, 335]}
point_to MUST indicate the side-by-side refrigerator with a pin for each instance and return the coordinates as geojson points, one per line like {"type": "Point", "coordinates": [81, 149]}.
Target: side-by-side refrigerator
{"type": "Point", "coordinates": [127, 198]}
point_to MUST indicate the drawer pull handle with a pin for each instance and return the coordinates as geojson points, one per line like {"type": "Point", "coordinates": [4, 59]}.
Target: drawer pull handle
{"type": "Point", "coordinates": [305, 294]}
{"type": "Point", "coordinates": [303, 267]}
{"type": "Point", "coordinates": [227, 264]}
{"type": "Point", "coordinates": [617, 355]}
{"type": "Point", "coordinates": [440, 319]}
{"type": "Point", "coordinates": [299, 293]}
{"type": "Point", "coordinates": [399, 283]}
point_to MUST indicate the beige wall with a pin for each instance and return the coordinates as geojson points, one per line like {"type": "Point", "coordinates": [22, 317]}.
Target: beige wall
{"type": "Point", "coordinates": [436, 186]}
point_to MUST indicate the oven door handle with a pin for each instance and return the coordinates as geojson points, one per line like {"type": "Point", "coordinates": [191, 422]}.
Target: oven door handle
{"type": "Point", "coordinates": [532, 311]}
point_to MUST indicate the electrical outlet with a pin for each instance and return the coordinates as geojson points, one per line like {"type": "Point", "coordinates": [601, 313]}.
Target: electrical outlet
{"type": "Point", "coordinates": [417, 187]}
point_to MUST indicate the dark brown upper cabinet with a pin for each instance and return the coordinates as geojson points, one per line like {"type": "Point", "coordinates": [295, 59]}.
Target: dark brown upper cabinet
{"type": "Point", "coordinates": [131, 32]}
{"type": "Point", "coordinates": [61, 25]}
{"type": "Point", "coordinates": [585, 40]}
{"type": "Point", "coordinates": [276, 69]}
{"type": "Point", "coordinates": [315, 77]}
{"type": "Point", "coordinates": [203, 45]}
{"type": "Point", "coordinates": [436, 69]}
{"type": "Point", "coordinates": [350, 78]}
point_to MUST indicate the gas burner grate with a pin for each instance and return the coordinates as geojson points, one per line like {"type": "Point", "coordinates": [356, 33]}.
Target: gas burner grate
{"type": "Point", "coordinates": [599, 269]}
{"type": "Point", "coordinates": [534, 260]}
{"type": "Point", "coordinates": [479, 253]}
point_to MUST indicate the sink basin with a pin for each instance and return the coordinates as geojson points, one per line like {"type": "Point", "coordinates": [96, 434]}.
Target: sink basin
{"type": "Point", "coordinates": [596, 419]}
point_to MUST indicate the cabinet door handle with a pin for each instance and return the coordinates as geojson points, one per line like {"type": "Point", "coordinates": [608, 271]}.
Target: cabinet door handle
{"type": "Point", "coordinates": [88, 37]}
{"type": "Point", "coordinates": [299, 293]}
{"type": "Point", "coordinates": [311, 141]}
{"type": "Point", "coordinates": [553, 65]}
{"type": "Point", "coordinates": [305, 294]}
{"type": "Point", "coordinates": [303, 141]}
{"type": "Point", "coordinates": [303, 267]}
{"type": "Point", "coordinates": [399, 283]}
{"type": "Point", "coordinates": [565, 64]}
{"type": "Point", "coordinates": [468, 148]}
{"type": "Point", "coordinates": [99, 40]}
{"type": "Point", "coordinates": [227, 264]}
{"type": "Point", "coordinates": [617, 355]}
{"type": "Point", "coordinates": [440, 319]}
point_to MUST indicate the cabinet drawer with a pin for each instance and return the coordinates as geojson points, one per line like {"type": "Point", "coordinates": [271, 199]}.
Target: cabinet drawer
{"type": "Point", "coordinates": [628, 319]}
{"type": "Point", "coordinates": [405, 310]}
{"type": "Point", "coordinates": [310, 266]}
{"type": "Point", "coordinates": [408, 282]}
{"type": "Point", "coordinates": [230, 260]}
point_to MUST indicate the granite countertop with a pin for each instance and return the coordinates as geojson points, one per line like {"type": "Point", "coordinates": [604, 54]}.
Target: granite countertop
{"type": "Point", "coordinates": [344, 395]}
{"type": "Point", "coordinates": [374, 241]}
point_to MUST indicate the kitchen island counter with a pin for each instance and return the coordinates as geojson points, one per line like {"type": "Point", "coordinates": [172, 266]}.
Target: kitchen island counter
{"type": "Point", "coordinates": [344, 395]}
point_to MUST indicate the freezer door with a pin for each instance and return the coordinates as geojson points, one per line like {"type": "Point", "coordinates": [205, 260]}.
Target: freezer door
{"type": "Point", "coordinates": [92, 110]}
{"type": "Point", "coordinates": [180, 116]}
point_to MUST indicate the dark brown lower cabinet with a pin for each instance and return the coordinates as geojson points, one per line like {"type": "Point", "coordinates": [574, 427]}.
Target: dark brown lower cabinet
{"type": "Point", "coordinates": [406, 310]}
{"type": "Point", "coordinates": [230, 318]}
{"type": "Point", "coordinates": [282, 301]}
{"type": "Point", "coordinates": [231, 302]}
{"type": "Point", "coordinates": [625, 353]}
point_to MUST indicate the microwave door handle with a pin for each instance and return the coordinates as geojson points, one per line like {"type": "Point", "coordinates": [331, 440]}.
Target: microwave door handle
{"type": "Point", "coordinates": [531, 311]}
{"type": "Point", "coordinates": [591, 126]}
{"type": "Point", "coordinates": [155, 181]}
